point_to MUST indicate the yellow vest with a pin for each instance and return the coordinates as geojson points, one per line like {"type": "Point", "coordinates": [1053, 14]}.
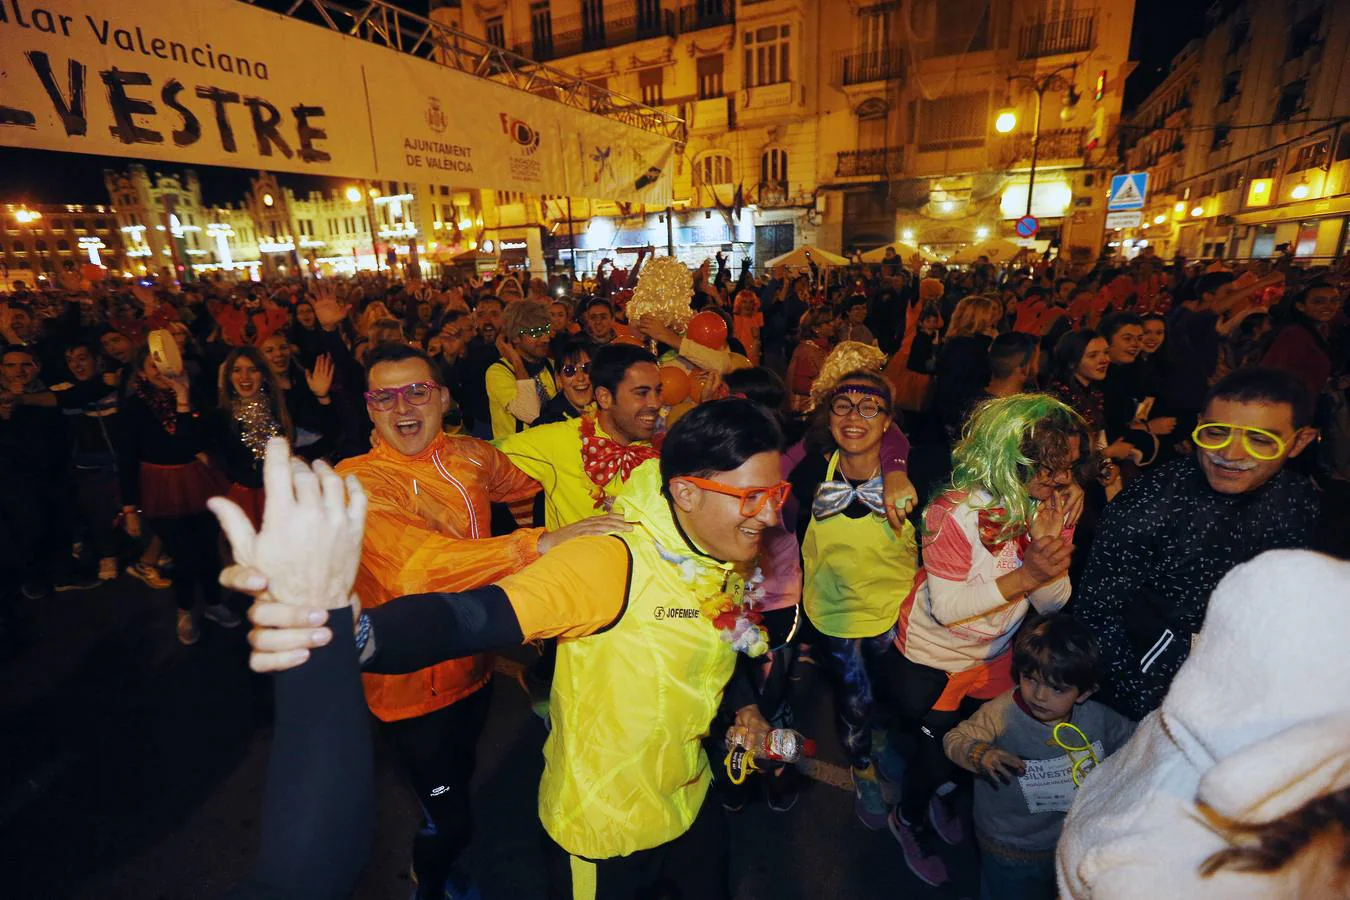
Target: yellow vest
{"type": "Point", "coordinates": [856, 572]}
{"type": "Point", "coordinates": [624, 765]}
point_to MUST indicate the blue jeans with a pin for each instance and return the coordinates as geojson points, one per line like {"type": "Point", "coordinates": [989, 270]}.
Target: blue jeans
{"type": "Point", "coordinates": [1006, 879]}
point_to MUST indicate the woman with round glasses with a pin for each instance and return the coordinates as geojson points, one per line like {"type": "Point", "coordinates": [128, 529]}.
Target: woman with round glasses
{"type": "Point", "coordinates": [856, 568]}
{"type": "Point", "coordinates": [572, 369]}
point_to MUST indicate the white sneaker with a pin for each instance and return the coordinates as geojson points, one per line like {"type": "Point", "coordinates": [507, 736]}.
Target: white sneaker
{"type": "Point", "coordinates": [222, 615]}
{"type": "Point", "coordinates": [107, 568]}
{"type": "Point", "coordinates": [187, 628]}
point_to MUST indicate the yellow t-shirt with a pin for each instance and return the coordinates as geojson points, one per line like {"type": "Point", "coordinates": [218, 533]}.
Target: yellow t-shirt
{"type": "Point", "coordinates": [501, 390]}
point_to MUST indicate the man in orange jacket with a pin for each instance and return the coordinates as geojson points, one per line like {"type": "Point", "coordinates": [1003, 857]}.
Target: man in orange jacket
{"type": "Point", "coordinates": [427, 530]}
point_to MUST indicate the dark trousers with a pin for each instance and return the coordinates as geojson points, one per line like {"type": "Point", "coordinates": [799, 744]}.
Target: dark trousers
{"type": "Point", "coordinates": [97, 500]}
{"type": "Point", "coordinates": [854, 665]}
{"type": "Point", "coordinates": [693, 866]}
{"type": "Point", "coordinates": [439, 751]}
{"type": "Point", "coordinates": [193, 544]}
{"type": "Point", "coordinates": [914, 689]}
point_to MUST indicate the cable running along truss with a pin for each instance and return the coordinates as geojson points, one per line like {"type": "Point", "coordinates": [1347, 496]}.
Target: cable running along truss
{"type": "Point", "coordinates": [386, 25]}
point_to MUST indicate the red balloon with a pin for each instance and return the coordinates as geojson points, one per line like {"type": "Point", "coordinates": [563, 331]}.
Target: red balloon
{"type": "Point", "coordinates": [709, 329]}
{"type": "Point", "coordinates": [674, 385]}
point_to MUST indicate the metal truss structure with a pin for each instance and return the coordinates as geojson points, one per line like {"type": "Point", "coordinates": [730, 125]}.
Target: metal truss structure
{"type": "Point", "coordinates": [388, 26]}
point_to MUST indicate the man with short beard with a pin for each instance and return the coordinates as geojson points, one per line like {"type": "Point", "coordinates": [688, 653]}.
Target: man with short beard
{"type": "Point", "coordinates": [1169, 538]}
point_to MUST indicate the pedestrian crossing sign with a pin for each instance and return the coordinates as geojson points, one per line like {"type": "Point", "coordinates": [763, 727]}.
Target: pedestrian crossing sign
{"type": "Point", "coordinates": [1128, 191]}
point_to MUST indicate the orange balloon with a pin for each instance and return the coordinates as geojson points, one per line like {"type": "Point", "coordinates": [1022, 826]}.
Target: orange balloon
{"type": "Point", "coordinates": [709, 329]}
{"type": "Point", "coordinates": [674, 385]}
{"type": "Point", "coordinates": [628, 340]}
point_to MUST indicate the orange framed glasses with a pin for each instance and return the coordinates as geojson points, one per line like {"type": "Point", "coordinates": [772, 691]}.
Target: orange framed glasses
{"type": "Point", "coordinates": [753, 499]}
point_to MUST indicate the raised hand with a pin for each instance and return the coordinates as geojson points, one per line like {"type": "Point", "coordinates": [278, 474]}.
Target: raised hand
{"type": "Point", "coordinates": [320, 380]}
{"type": "Point", "coordinates": [327, 309]}
{"type": "Point", "coordinates": [310, 544]}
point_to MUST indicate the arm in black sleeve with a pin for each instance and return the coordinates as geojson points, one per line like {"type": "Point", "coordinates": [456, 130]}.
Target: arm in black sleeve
{"type": "Point", "coordinates": [421, 630]}
{"type": "Point", "coordinates": [320, 799]}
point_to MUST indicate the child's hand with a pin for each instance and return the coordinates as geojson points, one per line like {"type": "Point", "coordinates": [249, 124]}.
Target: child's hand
{"type": "Point", "coordinates": [1002, 765]}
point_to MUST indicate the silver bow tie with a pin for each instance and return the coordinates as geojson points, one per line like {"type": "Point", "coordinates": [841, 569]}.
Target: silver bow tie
{"type": "Point", "coordinates": [833, 497]}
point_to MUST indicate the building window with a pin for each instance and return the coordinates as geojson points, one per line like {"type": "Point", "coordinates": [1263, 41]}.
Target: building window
{"type": "Point", "coordinates": [1303, 35]}
{"type": "Point", "coordinates": [1232, 83]}
{"type": "Point", "coordinates": [710, 77]}
{"type": "Point", "coordinates": [1266, 168]}
{"type": "Point", "coordinates": [496, 31]}
{"type": "Point", "coordinates": [1310, 156]}
{"type": "Point", "coordinates": [767, 54]}
{"type": "Point", "coordinates": [77, 224]}
{"type": "Point", "coordinates": [949, 123]}
{"type": "Point", "coordinates": [1343, 147]}
{"type": "Point", "coordinates": [962, 27]}
{"type": "Point", "coordinates": [592, 23]}
{"type": "Point", "coordinates": [41, 246]}
{"type": "Point", "coordinates": [651, 86]}
{"type": "Point", "coordinates": [58, 224]}
{"type": "Point", "coordinates": [1220, 138]}
{"type": "Point", "coordinates": [1238, 35]}
{"type": "Point", "coordinates": [714, 168]}
{"type": "Point", "coordinates": [1291, 100]}
{"type": "Point", "coordinates": [63, 246]}
{"type": "Point", "coordinates": [541, 30]}
{"type": "Point", "coordinates": [100, 224]}
{"type": "Point", "coordinates": [18, 247]}
{"type": "Point", "coordinates": [874, 24]}
{"type": "Point", "coordinates": [773, 167]}
{"type": "Point", "coordinates": [1228, 181]}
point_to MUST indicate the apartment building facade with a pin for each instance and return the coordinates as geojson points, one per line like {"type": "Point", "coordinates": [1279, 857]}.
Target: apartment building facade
{"type": "Point", "coordinates": [1246, 142]}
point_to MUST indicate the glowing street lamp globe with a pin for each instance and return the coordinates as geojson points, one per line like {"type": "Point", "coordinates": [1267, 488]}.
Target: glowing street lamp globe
{"type": "Point", "coordinates": [354, 195]}
{"type": "Point", "coordinates": [1006, 121]}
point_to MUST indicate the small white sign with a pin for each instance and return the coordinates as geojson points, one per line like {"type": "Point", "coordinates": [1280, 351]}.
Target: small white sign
{"type": "Point", "coordinates": [1047, 784]}
{"type": "Point", "coordinates": [1118, 220]}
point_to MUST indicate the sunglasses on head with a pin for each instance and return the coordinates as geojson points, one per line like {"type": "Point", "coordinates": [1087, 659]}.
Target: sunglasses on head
{"type": "Point", "coordinates": [571, 369]}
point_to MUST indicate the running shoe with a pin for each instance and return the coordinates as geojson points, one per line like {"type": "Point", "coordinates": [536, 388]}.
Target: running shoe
{"type": "Point", "coordinates": [222, 615]}
{"type": "Point", "coordinates": [150, 575]}
{"type": "Point", "coordinates": [945, 819]}
{"type": "Point", "coordinates": [781, 789]}
{"type": "Point", "coordinates": [868, 802]}
{"type": "Point", "coordinates": [187, 628]}
{"type": "Point", "coordinates": [917, 848]}
{"type": "Point", "coordinates": [76, 583]}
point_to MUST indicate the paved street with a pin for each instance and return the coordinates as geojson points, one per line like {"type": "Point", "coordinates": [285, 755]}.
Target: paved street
{"type": "Point", "coordinates": [133, 770]}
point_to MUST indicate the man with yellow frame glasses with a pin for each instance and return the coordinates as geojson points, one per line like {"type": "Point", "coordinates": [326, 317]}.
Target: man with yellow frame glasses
{"type": "Point", "coordinates": [1165, 542]}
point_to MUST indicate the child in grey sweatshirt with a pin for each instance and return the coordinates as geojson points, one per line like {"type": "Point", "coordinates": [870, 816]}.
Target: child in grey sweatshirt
{"type": "Point", "coordinates": [1033, 746]}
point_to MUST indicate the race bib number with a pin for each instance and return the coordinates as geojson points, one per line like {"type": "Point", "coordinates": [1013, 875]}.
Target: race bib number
{"type": "Point", "coordinates": [1047, 785]}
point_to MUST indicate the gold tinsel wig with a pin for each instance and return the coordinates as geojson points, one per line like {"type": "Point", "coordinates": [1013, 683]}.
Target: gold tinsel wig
{"type": "Point", "coordinates": [849, 356]}
{"type": "Point", "coordinates": [663, 292]}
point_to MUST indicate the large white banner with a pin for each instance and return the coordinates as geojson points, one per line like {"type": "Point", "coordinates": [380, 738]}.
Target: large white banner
{"type": "Point", "coordinates": [218, 82]}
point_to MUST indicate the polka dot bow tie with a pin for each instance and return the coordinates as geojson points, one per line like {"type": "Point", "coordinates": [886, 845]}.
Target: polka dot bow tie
{"type": "Point", "coordinates": [603, 459]}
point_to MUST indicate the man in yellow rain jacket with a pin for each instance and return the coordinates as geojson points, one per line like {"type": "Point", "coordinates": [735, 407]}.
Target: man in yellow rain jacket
{"type": "Point", "coordinates": [649, 623]}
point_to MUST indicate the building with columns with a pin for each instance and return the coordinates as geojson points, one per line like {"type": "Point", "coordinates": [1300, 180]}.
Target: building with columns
{"type": "Point", "coordinates": [1246, 142]}
{"type": "Point", "coordinates": [39, 242]}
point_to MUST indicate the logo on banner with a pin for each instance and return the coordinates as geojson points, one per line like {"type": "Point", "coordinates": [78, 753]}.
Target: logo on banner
{"type": "Point", "coordinates": [436, 119]}
{"type": "Point", "coordinates": [601, 159]}
{"type": "Point", "coordinates": [527, 140]}
{"type": "Point", "coordinates": [522, 133]}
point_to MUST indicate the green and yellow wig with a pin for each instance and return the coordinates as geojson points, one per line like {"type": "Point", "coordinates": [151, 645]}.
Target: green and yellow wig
{"type": "Point", "coordinates": [1005, 444]}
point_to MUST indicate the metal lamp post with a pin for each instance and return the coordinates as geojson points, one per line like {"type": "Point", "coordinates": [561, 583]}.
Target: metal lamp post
{"type": "Point", "coordinates": [1007, 118]}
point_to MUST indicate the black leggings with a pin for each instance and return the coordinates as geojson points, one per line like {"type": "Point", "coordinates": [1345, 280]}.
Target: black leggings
{"type": "Point", "coordinates": [914, 689]}
{"type": "Point", "coordinates": [193, 544]}
{"type": "Point", "coordinates": [439, 752]}
{"type": "Point", "coordinates": [693, 866]}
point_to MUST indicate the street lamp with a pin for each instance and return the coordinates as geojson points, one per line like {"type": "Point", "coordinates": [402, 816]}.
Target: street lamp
{"type": "Point", "coordinates": [353, 194]}
{"type": "Point", "coordinates": [1007, 117]}
{"type": "Point", "coordinates": [1300, 191]}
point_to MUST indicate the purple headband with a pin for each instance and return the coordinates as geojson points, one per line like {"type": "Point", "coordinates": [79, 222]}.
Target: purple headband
{"type": "Point", "coordinates": [855, 388]}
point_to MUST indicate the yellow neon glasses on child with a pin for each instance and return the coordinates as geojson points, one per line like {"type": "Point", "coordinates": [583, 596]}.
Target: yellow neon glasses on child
{"type": "Point", "coordinates": [1258, 442]}
{"type": "Point", "coordinates": [1074, 741]}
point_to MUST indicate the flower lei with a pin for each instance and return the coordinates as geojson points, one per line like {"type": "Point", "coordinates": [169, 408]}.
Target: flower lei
{"type": "Point", "coordinates": [728, 600]}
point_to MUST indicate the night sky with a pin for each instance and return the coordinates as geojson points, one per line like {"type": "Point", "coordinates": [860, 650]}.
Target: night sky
{"type": "Point", "coordinates": [1161, 29]}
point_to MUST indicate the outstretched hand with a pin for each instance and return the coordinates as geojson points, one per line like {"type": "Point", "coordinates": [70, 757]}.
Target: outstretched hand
{"type": "Point", "coordinates": [310, 544]}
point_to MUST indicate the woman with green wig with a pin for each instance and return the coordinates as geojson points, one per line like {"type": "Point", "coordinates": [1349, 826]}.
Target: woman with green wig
{"type": "Point", "coordinates": [997, 543]}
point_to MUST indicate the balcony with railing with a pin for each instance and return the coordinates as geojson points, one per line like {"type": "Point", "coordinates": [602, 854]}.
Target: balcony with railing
{"type": "Point", "coordinates": [865, 66]}
{"type": "Point", "coordinates": [1071, 34]}
{"type": "Point", "coordinates": [1060, 143]}
{"type": "Point", "coordinates": [707, 14]}
{"type": "Point", "coordinates": [624, 23]}
{"type": "Point", "coordinates": [878, 162]}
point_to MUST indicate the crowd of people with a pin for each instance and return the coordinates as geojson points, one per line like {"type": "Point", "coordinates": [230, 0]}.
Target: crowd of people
{"type": "Point", "coordinates": [989, 504]}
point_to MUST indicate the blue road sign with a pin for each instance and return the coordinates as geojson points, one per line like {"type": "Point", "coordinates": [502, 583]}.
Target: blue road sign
{"type": "Point", "coordinates": [1128, 191]}
{"type": "Point", "coordinates": [1027, 226]}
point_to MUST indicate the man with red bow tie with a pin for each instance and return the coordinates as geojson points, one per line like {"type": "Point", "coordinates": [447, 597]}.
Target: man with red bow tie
{"type": "Point", "coordinates": [583, 462]}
